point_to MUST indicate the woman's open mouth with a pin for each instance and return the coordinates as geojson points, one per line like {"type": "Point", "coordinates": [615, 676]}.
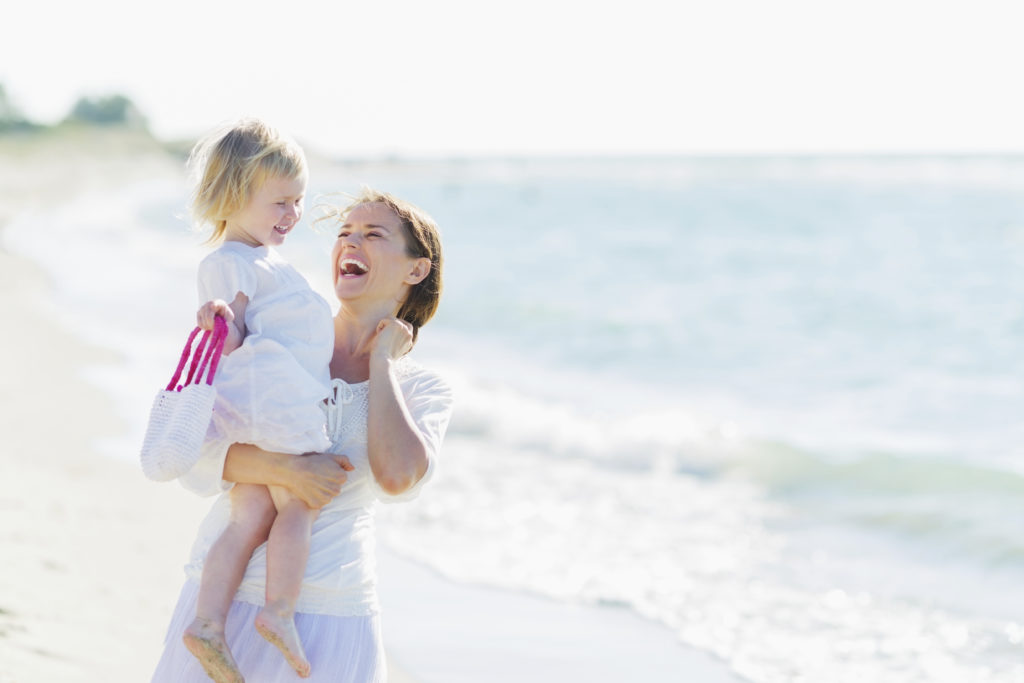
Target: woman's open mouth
{"type": "Point", "coordinates": [350, 268]}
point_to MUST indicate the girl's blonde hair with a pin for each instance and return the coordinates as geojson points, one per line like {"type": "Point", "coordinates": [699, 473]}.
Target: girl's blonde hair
{"type": "Point", "coordinates": [231, 164]}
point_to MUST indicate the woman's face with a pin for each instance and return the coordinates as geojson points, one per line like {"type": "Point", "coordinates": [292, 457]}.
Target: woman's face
{"type": "Point", "coordinates": [369, 258]}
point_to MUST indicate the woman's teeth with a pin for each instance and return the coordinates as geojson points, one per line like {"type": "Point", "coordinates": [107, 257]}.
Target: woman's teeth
{"type": "Point", "coordinates": [351, 266]}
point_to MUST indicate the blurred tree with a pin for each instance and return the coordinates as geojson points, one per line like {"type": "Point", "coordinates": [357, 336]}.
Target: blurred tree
{"type": "Point", "coordinates": [111, 110]}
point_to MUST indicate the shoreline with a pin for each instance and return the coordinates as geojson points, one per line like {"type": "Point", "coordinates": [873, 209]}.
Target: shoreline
{"type": "Point", "coordinates": [449, 632]}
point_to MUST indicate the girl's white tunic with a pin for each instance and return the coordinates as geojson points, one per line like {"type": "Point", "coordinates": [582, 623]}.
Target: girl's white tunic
{"type": "Point", "coordinates": [269, 390]}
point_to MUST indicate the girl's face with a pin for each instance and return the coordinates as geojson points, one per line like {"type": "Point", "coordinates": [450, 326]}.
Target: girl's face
{"type": "Point", "coordinates": [370, 259]}
{"type": "Point", "coordinates": [270, 215]}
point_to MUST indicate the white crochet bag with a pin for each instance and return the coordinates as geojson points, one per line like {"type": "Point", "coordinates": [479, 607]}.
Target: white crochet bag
{"type": "Point", "coordinates": [181, 413]}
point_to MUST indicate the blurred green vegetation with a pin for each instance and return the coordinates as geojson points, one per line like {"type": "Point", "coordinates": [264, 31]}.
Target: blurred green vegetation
{"type": "Point", "coordinates": [111, 110]}
{"type": "Point", "coordinates": [105, 111]}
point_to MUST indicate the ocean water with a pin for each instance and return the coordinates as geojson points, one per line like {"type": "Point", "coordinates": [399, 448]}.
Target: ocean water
{"type": "Point", "coordinates": [770, 403]}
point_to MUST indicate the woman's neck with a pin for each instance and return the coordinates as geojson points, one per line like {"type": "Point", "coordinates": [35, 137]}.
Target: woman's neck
{"type": "Point", "coordinates": [354, 333]}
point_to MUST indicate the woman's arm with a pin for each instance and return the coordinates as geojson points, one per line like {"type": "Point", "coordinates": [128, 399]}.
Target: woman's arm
{"type": "Point", "coordinates": [315, 478]}
{"type": "Point", "coordinates": [397, 452]}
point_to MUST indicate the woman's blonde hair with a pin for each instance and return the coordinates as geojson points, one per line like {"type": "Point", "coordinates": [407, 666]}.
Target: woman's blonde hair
{"type": "Point", "coordinates": [422, 240]}
{"type": "Point", "coordinates": [230, 165]}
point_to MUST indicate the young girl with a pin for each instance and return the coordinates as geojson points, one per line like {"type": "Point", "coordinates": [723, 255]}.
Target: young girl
{"type": "Point", "coordinates": [271, 382]}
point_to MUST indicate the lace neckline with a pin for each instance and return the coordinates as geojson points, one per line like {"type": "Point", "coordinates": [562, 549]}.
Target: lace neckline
{"type": "Point", "coordinates": [347, 403]}
{"type": "Point", "coordinates": [338, 383]}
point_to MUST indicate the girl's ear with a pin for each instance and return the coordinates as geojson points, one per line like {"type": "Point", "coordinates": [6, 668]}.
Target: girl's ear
{"type": "Point", "coordinates": [419, 271]}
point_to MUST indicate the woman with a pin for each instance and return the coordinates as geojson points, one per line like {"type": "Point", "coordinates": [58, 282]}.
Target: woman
{"type": "Point", "coordinates": [386, 420]}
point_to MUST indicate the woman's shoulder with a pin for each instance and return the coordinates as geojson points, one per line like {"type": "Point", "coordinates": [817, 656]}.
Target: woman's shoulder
{"type": "Point", "coordinates": [416, 378]}
{"type": "Point", "coordinates": [408, 367]}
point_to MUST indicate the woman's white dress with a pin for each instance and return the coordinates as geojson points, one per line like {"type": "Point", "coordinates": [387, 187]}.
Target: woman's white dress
{"type": "Point", "coordinates": [337, 612]}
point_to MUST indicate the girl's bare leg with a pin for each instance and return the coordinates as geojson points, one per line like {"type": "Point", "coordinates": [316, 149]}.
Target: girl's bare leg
{"type": "Point", "coordinates": [287, 553]}
{"type": "Point", "coordinates": [252, 513]}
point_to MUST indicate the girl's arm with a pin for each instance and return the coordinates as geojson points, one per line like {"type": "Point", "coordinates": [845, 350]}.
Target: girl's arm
{"type": "Point", "coordinates": [315, 478]}
{"type": "Point", "coordinates": [233, 314]}
{"type": "Point", "coordinates": [397, 452]}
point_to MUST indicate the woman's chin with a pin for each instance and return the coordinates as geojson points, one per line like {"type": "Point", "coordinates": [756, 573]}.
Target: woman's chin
{"type": "Point", "coordinates": [348, 288]}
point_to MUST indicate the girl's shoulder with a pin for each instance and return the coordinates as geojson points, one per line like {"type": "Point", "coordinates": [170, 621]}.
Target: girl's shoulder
{"type": "Point", "coordinates": [231, 255]}
{"type": "Point", "coordinates": [231, 267]}
{"type": "Point", "coordinates": [237, 251]}
{"type": "Point", "coordinates": [262, 263]}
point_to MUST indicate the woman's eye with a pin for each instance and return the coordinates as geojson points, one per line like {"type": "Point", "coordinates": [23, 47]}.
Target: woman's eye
{"type": "Point", "coordinates": [373, 234]}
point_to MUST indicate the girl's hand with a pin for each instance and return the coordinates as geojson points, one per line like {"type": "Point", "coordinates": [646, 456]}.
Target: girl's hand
{"type": "Point", "coordinates": [317, 478]}
{"type": "Point", "coordinates": [392, 340]}
{"type": "Point", "coordinates": [206, 313]}
{"type": "Point", "coordinates": [233, 314]}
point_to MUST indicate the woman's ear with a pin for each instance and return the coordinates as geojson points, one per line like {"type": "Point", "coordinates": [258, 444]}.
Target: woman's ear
{"type": "Point", "coordinates": [419, 271]}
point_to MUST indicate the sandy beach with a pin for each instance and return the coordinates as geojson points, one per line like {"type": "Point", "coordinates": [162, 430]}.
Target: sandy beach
{"type": "Point", "coordinates": [92, 551]}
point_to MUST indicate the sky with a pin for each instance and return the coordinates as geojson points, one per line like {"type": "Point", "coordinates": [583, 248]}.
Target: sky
{"type": "Point", "coordinates": [551, 77]}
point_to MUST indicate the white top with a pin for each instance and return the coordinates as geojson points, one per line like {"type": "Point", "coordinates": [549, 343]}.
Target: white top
{"type": "Point", "coordinates": [269, 389]}
{"type": "Point", "coordinates": [340, 574]}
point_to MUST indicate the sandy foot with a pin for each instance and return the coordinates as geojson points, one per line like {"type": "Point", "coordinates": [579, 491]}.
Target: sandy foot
{"type": "Point", "coordinates": [280, 632]}
{"type": "Point", "coordinates": [206, 642]}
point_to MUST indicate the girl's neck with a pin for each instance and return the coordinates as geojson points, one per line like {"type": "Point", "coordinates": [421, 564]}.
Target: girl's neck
{"type": "Point", "coordinates": [241, 238]}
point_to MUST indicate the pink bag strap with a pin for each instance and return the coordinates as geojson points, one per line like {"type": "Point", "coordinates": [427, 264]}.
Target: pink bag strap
{"type": "Point", "coordinates": [214, 348]}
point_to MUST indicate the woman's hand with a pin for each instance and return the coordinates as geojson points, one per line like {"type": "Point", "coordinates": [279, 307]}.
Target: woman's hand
{"type": "Point", "coordinates": [392, 340]}
{"type": "Point", "coordinates": [318, 477]}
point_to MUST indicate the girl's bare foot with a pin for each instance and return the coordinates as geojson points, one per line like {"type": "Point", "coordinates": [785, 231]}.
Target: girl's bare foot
{"type": "Point", "coordinates": [279, 629]}
{"type": "Point", "coordinates": [205, 640]}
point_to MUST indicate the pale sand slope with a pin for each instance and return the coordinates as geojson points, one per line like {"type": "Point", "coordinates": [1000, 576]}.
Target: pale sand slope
{"type": "Point", "coordinates": [92, 552]}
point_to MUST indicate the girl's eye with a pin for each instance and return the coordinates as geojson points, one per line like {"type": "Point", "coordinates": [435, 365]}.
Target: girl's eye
{"type": "Point", "coordinates": [373, 234]}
